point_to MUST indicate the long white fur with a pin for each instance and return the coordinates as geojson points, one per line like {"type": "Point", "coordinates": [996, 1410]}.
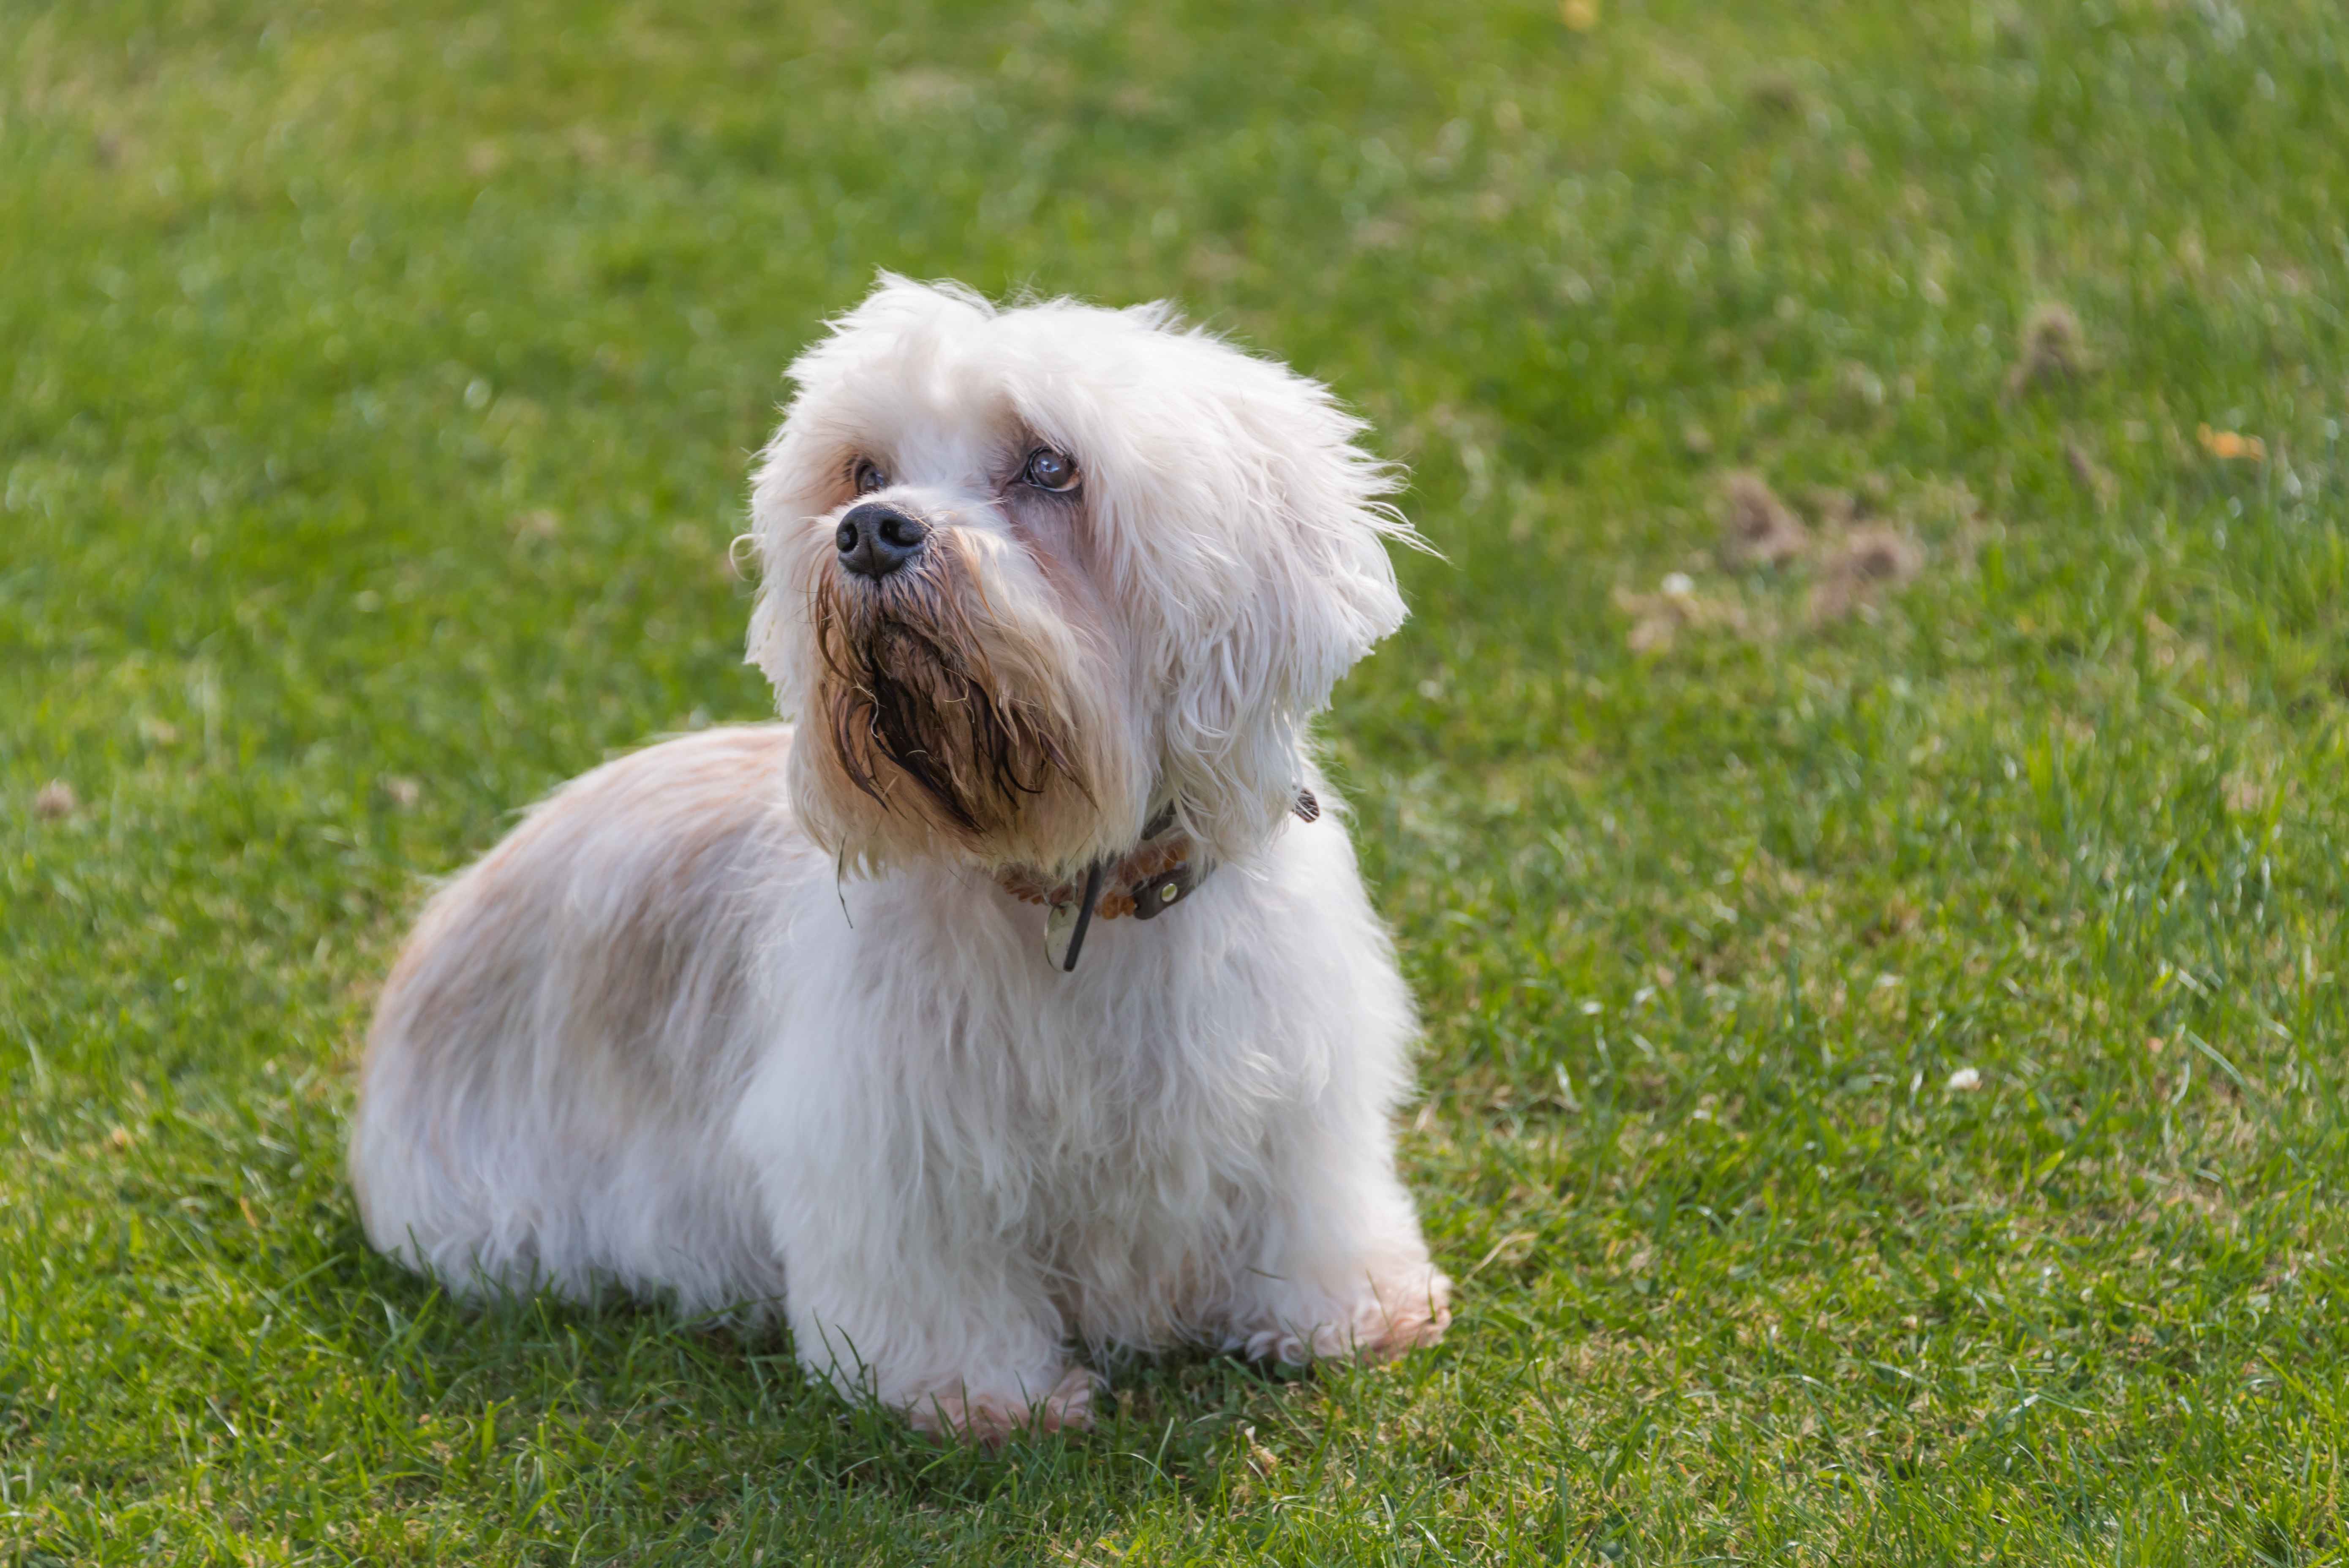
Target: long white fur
{"type": "Point", "coordinates": [717, 1026]}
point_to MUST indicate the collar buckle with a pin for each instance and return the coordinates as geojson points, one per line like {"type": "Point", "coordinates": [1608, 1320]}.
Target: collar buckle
{"type": "Point", "coordinates": [1154, 893]}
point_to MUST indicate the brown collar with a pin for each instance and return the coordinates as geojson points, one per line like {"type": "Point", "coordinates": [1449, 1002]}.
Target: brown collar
{"type": "Point", "coordinates": [1122, 879]}
{"type": "Point", "coordinates": [1152, 878]}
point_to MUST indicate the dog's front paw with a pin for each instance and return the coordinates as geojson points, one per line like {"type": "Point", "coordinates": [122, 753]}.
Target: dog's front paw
{"type": "Point", "coordinates": [972, 1411]}
{"type": "Point", "coordinates": [1381, 1321]}
{"type": "Point", "coordinates": [1412, 1311]}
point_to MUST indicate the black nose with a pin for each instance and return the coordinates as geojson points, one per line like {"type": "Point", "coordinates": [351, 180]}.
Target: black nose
{"type": "Point", "coordinates": [875, 539]}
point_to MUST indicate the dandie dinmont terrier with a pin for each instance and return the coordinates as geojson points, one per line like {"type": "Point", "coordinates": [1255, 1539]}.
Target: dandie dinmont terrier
{"type": "Point", "coordinates": [1023, 993]}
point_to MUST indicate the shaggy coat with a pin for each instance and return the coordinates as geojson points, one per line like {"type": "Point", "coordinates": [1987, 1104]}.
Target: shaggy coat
{"type": "Point", "coordinates": [753, 1020]}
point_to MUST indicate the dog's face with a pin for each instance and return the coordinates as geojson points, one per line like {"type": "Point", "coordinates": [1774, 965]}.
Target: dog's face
{"type": "Point", "coordinates": [1027, 575]}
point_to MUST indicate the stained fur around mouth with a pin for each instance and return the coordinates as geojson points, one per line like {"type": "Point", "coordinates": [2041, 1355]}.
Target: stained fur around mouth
{"type": "Point", "coordinates": [908, 693]}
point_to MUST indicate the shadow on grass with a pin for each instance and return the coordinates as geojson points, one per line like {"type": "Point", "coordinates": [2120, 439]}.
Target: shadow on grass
{"type": "Point", "coordinates": [703, 1399]}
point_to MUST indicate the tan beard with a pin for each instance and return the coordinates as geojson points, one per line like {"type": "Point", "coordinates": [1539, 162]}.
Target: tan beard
{"type": "Point", "coordinates": [908, 694]}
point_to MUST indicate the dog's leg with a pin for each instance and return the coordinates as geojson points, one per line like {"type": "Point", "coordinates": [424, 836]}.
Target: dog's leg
{"type": "Point", "coordinates": [903, 1282]}
{"type": "Point", "coordinates": [894, 1314]}
{"type": "Point", "coordinates": [1341, 1267]}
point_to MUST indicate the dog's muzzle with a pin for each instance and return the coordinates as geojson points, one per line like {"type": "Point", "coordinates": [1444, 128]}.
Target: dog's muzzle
{"type": "Point", "coordinates": [875, 539]}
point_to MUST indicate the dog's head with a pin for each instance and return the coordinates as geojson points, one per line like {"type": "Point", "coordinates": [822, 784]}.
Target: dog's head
{"type": "Point", "coordinates": [1027, 575]}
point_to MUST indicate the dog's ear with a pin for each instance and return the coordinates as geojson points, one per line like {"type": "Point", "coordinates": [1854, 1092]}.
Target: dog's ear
{"type": "Point", "coordinates": [794, 485]}
{"type": "Point", "coordinates": [1271, 580]}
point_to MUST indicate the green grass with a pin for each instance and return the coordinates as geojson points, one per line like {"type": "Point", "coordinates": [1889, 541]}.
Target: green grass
{"type": "Point", "coordinates": [378, 383]}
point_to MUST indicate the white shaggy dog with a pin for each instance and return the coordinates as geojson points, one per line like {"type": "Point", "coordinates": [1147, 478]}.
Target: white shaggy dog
{"type": "Point", "coordinates": [889, 1022]}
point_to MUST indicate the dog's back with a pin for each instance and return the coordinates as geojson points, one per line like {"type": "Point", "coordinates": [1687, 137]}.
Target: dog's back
{"type": "Point", "coordinates": [588, 972]}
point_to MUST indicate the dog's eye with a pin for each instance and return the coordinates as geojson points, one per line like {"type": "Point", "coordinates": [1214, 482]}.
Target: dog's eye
{"type": "Point", "coordinates": [1049, 469]}
{"type": "Point", "coordinates": [869, 478]}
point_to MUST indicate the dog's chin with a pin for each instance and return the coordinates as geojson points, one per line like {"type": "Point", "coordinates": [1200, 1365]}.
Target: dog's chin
{"type": "Point", "coordinates": [923, 744]}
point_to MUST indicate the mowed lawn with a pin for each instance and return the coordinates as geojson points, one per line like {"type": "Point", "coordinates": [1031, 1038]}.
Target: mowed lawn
{"type": "Point", "coordinates": [1863, 799]}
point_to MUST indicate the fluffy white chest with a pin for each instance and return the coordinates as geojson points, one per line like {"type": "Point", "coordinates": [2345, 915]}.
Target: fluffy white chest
{"type": "Point", "coordinates": [1119, 1131]}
